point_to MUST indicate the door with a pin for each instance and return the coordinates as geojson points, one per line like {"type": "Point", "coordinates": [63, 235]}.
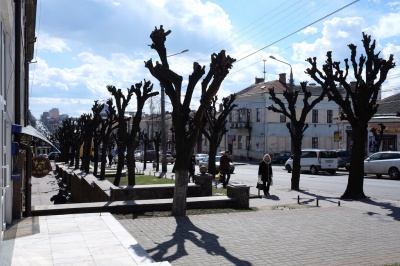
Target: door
{"type": "Point", "coordinates": [389, 143]}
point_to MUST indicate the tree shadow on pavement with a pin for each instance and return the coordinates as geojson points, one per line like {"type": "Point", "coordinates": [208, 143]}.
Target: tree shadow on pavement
{"type": "Point", "coordinates": [186, 232]}
{"type": "Point", "coordinates": [393, 210]}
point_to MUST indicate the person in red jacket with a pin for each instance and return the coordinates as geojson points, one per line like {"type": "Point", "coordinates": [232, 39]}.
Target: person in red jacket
{"type": "Point", "coordinates": [224, 168]}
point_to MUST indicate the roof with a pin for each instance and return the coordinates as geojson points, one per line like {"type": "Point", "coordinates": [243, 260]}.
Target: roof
{"type": "Point", "coordinates": [278, 86]}
{"type": "Point", "coordinates": [389, 105]}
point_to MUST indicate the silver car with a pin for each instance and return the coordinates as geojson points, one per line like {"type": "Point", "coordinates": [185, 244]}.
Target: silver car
{"type": "Point", "coordinates": [383, 163]}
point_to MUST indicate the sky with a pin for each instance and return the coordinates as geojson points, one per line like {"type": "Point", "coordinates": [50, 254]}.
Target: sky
{"type": "Point", "coordinates": [84, 45]}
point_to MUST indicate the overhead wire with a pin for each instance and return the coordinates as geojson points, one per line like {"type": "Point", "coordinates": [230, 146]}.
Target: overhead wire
{"type": "Point", "coordinates": [328, 15]}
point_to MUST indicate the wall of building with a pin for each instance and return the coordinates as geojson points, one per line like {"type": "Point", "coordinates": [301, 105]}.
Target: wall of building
{"type": "Point", "coordinates": [270, 135]}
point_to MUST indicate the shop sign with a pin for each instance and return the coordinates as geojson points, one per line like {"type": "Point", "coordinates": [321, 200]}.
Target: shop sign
{"type": "Point", "coordinates": [40, 167]}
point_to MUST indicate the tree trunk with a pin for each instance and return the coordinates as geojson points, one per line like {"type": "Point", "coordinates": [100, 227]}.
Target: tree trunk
{"type": "Point", "coordinates": [120, 165]}
{"type": "Point", "coordinates": [103, 160]}
{"type": "Point", "coordinates": [87, 148]}
{"type": "Point", "coordinates": [296, 144]}
{"type": "Point", "coordinates": [96, 157]}
{"type": "Point", "coordinates": [179, 202]}
{"type": "Point", "coordinates": [130, 161]}
{"type": "Point", "coordinates": [211, 158]}
{"type": "Point", "coordinates": [355, 184]}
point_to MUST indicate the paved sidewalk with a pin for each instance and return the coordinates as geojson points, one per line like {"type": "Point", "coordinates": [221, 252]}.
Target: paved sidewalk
{"type": "Point", "coordinates": [280, 233]}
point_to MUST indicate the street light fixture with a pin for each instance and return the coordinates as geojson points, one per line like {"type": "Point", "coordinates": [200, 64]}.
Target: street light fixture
{"type": "Point", "coordinates": [291, 81]}
{"type": "Point", "coordinates": [163, 136]}
{"type": "Point", "coordinates": [291, 86]}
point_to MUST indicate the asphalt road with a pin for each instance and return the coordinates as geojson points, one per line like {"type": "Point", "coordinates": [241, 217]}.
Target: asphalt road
{"type": "Point", "coordinates": [247, 174]}
{"type": "Point", "coordinates": [378, 188]}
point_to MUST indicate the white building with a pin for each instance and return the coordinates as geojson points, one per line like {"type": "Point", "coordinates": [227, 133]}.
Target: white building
{"type": "Point", "coordinates": [254, 130]}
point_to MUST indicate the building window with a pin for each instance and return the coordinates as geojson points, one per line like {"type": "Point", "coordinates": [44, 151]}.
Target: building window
{"type": "Point", "coordinates": [248, 115]}
{"type": "Point", "coordinates": [258, 115]}
{"type": "Point", "coordinates": [239, 142]}
{"type": "Point", "coordinates": [314, 116]}
{"type": "Point", "coordinates": [240, 115]}
{"type": "Point", "coordinates": [329, 116]}
{"type": "Point", "coordinates": [282, 118]}
{"type": "Point", "coordinates": [314, 143]}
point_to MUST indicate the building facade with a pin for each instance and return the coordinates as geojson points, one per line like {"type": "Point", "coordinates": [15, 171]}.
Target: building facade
{"type": "Point", "coordinates": [17, 37]}
{"type": "Point", "coordinates": [255, 131]}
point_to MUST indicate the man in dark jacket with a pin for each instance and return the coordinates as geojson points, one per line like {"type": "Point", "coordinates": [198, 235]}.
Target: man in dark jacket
{"type": "Point", "coordinates": [224, 168]}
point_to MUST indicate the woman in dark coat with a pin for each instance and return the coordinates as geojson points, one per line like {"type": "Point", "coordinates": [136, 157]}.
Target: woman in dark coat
{"type": "Point", "coordinates": [265, 173]}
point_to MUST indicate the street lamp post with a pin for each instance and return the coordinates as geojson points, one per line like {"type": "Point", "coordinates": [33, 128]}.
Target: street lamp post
{"type": "Point", "coordinates": [291, 88]}
{"type": "Point", "coordinates": [163, 135]}
{"type": "Point", "coordinates": [291, 81]}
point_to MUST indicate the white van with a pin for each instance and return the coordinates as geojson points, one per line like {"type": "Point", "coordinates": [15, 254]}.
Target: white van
{"type": "Point", "coordinates": [315, 160]}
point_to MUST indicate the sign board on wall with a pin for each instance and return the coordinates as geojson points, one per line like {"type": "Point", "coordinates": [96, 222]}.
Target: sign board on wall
{"type": "Point", "coordinates": [40, 167]}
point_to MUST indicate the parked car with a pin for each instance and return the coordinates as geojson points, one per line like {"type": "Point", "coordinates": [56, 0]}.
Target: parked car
{"type": "Point", "coordinates": [383, 163]}
{"type": "Point", "coordinates": [204, 162]}
{"type": "Point", "coordinates": [150, 155]}
{"type": "Point", "coordinates": [137, 155]}
{"type": "Point", "coordinates": [343, 159]}
{"type": "Point", "coordinates": [282, 157]}
{"type": "Point", "coordinates": [53, 155]}
{"type": "Point", "coordinates": [315, 160]}
{"type": "Point", "coordinates": [199, 157]}
{"type": "Point", "coordinates": [170, 159]}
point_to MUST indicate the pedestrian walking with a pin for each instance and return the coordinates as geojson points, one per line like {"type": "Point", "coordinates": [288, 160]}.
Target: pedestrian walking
{"type": "Point", "coordinates": [224, 168]}
{"type": "Point", "coordinates": [192, 167]}
{"type": "Point", "coordinates": [265, 173]}
{"type": "Point", "coordinates": [110, 159]}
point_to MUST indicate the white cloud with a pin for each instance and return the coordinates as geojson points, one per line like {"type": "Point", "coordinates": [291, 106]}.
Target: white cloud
{"type": "Point", "coordinates": [337, 33]}
{"type": "Point", "coordinates": [388, 26]}
{"type": "Point", "coordinates": [394, 5]}
{"type": "Point", "coordinates": [309, 31]}
{"type": "Point", "coordinates": [52, 44]}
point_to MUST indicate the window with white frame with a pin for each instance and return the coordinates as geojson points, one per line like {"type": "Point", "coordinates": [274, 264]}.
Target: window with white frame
{"type": "Point", "coordinates": [329, 116]}
{"type": "Point", "coordinates": [314, 116]}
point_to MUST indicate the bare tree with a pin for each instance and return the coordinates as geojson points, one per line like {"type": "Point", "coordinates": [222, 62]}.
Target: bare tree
{"type": "Point", "coordinates": [215, 128]}
{"type": "Point", "coordinates": [88, 127]}
{"type": "Point", "coordinates": [358, 103]}
{"type": "Point", "coordinates": [121, 102]}
{"type": "Point", "coordinates": [296, 126]}
{"type": "Point", "coordinates": [187, 128]}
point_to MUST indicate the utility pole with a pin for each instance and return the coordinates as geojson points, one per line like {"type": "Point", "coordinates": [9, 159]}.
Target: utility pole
{"type": "Point", "coordinates": [264, 69]}
{"type": "Point", "coordinates": [291, 89]}
{"type": "Point", "coordinates": [163, 133]}
{"type": "Point", "coordinates": [163, 136]}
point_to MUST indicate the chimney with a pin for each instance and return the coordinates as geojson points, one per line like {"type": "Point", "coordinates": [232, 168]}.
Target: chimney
{"type": "Point", "coordinates": [282, 78]}
{"type": "Point", "coordinates": [259, 80]}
